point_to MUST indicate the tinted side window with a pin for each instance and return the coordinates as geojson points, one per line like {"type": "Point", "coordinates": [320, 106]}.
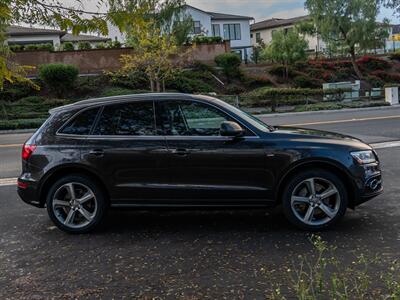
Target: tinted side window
{"type": "Point", "coordinates": [189, 118]}
{"type": "Point", "coordinates": [136, 118]}
{"type": "Point", "coordinates": [82, 123]}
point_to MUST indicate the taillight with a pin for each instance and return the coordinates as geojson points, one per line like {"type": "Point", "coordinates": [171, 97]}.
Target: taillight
{"type": "Point", "coordinates": [27, 151]}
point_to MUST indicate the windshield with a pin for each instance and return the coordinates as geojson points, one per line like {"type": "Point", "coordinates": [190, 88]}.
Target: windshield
{"type": "Point", "coordinates": [252, 119]}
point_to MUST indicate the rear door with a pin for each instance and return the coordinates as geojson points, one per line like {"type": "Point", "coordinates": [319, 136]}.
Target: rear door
{"type": "Point", "coordinates": [125, 149]}
{"type": "Point", "coordinates": [204, 167]}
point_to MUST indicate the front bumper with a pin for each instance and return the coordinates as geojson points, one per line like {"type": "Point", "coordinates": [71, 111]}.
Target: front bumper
{"type": "Point", "coordinates": [369, 183]}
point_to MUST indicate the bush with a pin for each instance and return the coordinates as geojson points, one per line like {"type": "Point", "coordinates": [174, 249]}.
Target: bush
{"type": "Point", "coordinates": [84, 46]}
{"type": "Point", "coordinates": [21, 124]}
{"type": "Point", "coordinates": [120, 91]}
{"type": "Point", "coordinates": [395, 56]}
{"type": "Point", "coordinates": [230, 63]}
{"type": "Point", "coordinates": [373, 63]}
{"type": "Point", "coordinates": [16, 91]}
{"type": "Point", "coordinates": [68, 46]}
{"type": "Point", "coordinates": [16, 48]}
{"type": "Point", "coordinates": [30, 47]}
{"type": "Point", "coordinates": [304, 81]}
{"type": "Point", "coordinates": [201, 39]}
{"type": "Point", "coordinates": [375, 81]}
{"type": "Point", "coordinates": [185, 84]}
{"type": "Point", "coordinates": [47, 46]}
{"type": "Point", "coordinates": [58, 78]}
{"type": "Point", "coordinates": [114, 44]}
{"type": "Point", "coordinates": [386, 76]}
{"type": "Point", "coordinates": [234, 89]}
{"type": "Point", "coordinates": [202, 67]}
{"type": "Point", "coordinates": [101, 46]}
{"type": "Point", "coordinates": [133, 80]}
{"type": "Point", "coordinates": [253, 82]}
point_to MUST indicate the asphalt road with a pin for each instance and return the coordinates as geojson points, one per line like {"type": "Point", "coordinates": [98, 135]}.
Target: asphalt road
{"type": "Point", "coordinates": [188, 255]}
{"type": "Point", "coordinates": [180, 255]}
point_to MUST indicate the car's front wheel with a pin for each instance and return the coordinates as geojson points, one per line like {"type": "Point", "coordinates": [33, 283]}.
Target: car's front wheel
{"type": "Point", "coordinates": [314, 199]}
{"type": "Point", "coordinates": [76, 204]}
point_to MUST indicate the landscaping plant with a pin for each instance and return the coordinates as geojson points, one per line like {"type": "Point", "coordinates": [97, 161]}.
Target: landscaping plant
{"type": "Point", "coordinates": [229, 63]}
{"type": "Point", "coordinates": [58, 78]}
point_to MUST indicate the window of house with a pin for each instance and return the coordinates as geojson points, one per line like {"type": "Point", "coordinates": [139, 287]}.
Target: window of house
{"type": "Point", "coordinates": [196, 27]}
{"type": "Point", "coordinates": [82, 123]}
{"type": "Point", "coordinates": [258, 37]}
{"type": "Point", "coordinates": [232, 32]}
{"type": "Point", "coordinates": [216, 31]}
{"type": "Point", "coordinates": [135, 118]}
{"type": "Point", "coordinates": [273, 32]}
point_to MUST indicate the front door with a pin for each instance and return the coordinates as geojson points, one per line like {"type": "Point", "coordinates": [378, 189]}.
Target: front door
{"type": "Point", "coordinates": [207, 168]}
{"type": "Point", "coordinates": [125, 149]}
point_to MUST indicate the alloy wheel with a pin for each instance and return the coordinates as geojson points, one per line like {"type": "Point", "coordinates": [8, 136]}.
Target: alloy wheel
{"type": "Point", "coordinates": [74, 205]}
{"type": "Point", "coordinates": [315, 201]}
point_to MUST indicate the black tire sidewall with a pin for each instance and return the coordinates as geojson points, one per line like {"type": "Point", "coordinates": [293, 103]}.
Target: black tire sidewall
{"type": "Point", "coordinates": [298, 178]}
{"type": "Point", "coordinates": [98, 192]}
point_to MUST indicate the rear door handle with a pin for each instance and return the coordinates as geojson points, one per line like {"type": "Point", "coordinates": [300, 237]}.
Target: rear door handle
{"type": "Point", "coordinates": [97, 152]}
{"type": "Point", "coordinates": [181, 152]}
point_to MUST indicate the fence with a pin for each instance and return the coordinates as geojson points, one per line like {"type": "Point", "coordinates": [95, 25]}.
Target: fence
{"type": "Point", "coordinates": [291, 102]}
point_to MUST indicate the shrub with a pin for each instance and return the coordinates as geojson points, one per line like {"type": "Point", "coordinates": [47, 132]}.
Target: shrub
{"type": "Point", "coordinates": [84, 46]}
{"type": "Point", "coordinates": [30, 47]}
{"type": "Point", "coordinates": [120, 91]}
{"type": "Point", "coordinates": [21, 124]}
{"type": "Point", "coordinates": [16, 48]}
{"type": "Point", "coordinates": [253, 82]}
{"type": "Point", "coordinates": [386, 76]}
{"type": "Point", "coordinates": [304, 81]}
{"type": "Point", "coordinates": [133, 80]}
{"type": "Point", "coordinates": [234, 89]}
{"type": "Point", "coordinates": [185, 84]}
{"type": "Point", "coordinates": [300, 65]}
{"type": "Point", "coordinates": [13, 92]}
{"type": "Point", "coordinates": [395, 56]}
{"type": "Point", "coordinates": [230, 63]}
{"type": "Point", "coordinates": [68, 46]}
{"type": "Point", "coordinates": [202, 67]}
{"type": "Point", "coordinates": [58, 78]}
{"type": "Point", "coordinates": [375, 81]}
{"type": "Point", "coordinates": [373, 63]}
{"type": "Point", "coordinates": [201, 39]}
{"type": "Point", "coordinates": [47, 46]}
{"type": "Point", "coordinates": [114, 44]}
{"type": "Point", "coordinates": [101, 46]}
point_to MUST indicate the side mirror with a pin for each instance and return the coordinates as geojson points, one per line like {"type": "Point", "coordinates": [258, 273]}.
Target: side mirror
{"type": "Point", "coordinates": [231, 129]}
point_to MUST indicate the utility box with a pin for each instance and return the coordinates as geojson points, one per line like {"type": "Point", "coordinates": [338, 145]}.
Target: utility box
{"type": "Point", "coordinates": [392, 95]}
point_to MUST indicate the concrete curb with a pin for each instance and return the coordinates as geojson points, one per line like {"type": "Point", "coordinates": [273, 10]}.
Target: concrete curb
{"type": "Point", "coordinates": [302, 113]}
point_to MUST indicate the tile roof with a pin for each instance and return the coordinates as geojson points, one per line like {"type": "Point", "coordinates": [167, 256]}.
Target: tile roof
{"type": "Point", "coordinates": [276, 22]}
{"type": "Point", "coordinates": [20, 30]}
{"type": "Point", "coordinates": [83, 37]}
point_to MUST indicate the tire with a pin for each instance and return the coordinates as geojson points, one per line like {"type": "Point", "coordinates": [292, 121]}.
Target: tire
{"type": "Point", "coordinates": [313, 211]}
{"type": "Point", "coordinates": [79, 211]}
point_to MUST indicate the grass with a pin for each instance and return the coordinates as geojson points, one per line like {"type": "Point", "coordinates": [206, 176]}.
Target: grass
{"type": "Point", "coordinates": [322, 275]}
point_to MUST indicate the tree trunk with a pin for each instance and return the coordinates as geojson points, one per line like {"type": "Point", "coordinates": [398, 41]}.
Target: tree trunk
{"type": "Point", "coordinates": [354, 63]}
{"type": "Point", "coordinates": [158, 85]}
{"type": "Point", "coordinates": [151, 84]}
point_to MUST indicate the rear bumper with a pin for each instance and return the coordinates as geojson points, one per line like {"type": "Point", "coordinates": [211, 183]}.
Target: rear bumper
{"type": "Point", "coordinates": [28, 192]}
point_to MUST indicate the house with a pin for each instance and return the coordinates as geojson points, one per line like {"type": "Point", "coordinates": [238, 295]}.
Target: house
{"type": "Point", "coordinates": [234, 28]}
{"type": "Point", "coordinates": [393, 42]}
{"type": "Point", "coordinates": [19, 35]}
{"type": "Point", "coordinates": [263, 31]}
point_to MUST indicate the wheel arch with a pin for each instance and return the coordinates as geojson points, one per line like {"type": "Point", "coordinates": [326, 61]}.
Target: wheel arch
{"type": "Point", "coordinates": [56, 173]}
{"type": "Point", "coordinates": [324, 164]}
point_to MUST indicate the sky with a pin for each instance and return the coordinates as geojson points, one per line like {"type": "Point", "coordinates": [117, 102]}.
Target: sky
{"type": "Point", "coordinates": [264, 9]}
{"type": "Point", "coordinates": [258, 9]}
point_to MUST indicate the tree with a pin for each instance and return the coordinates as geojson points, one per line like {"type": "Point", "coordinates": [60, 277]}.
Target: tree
{"type": "Point", "coordinates": [155, 48]}
{"type": "Point", "coordinates": [286, 48]}
{"type": "Point", "coordinates": [149, 32]}
{"type": "Point", "coordinates": [349, 24]}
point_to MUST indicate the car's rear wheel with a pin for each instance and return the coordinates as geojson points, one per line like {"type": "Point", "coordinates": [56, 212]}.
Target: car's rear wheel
{"type": "Point", "coordinates": [76, 204]}
{"type": "Point", "coordinates": [314, 199]}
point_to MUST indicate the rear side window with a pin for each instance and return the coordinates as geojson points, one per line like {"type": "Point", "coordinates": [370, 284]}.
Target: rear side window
{"type": "Point", "coordinates": [81, 124]}
{"type": "Point", "coordinates": [136, 119]}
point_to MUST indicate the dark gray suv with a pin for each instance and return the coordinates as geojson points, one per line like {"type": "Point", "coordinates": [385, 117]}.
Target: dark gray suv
{"type": "Point", "coordinates": [175, 150]}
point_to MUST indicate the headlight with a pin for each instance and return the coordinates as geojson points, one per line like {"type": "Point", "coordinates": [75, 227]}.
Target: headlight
{"type": "Point", "coordinates": [364, 157]}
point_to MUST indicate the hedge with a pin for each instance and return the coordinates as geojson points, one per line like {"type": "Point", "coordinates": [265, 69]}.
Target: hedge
{"type": "Point", "coordinates": [58, 78]}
